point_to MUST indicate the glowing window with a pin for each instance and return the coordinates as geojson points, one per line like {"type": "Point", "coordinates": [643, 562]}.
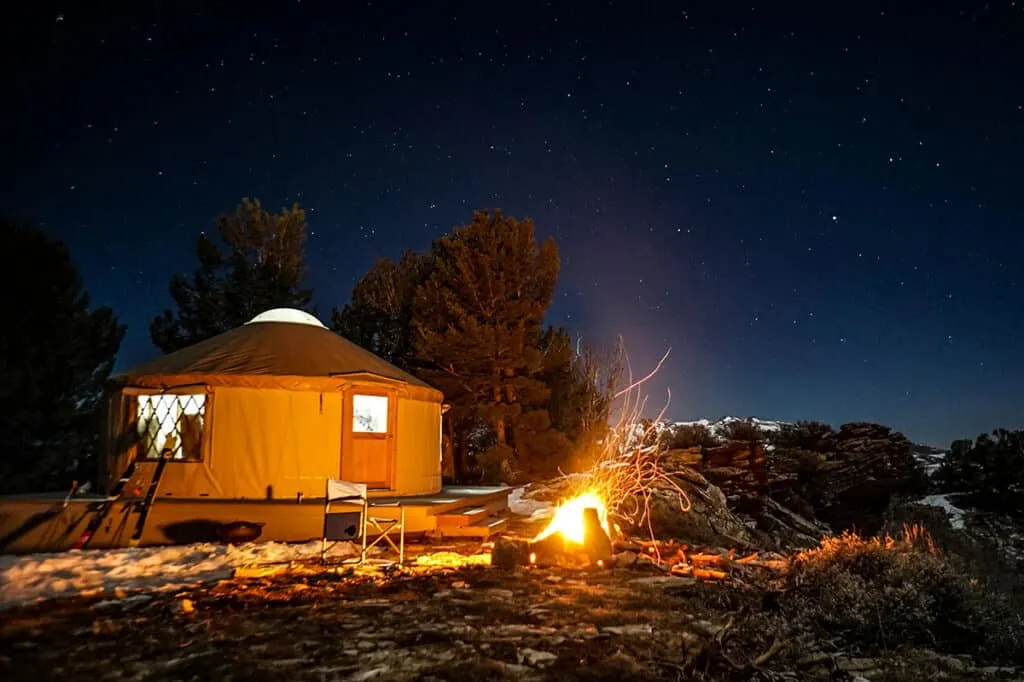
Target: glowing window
{"type": "Point", "coordinates": [369, 414]}
{"type": "Point", "coordinates": [172, 424]}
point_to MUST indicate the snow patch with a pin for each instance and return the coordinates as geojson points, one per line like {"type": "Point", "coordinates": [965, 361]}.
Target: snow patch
{"type": "Point", "coordinates": [955, 514]}
{"type": "Point", "coordinates": [36, 577]}
{"type": "Point", "coordinates": [717, 427]}
{"type": "Point", "coordinates": [519, 503]}
{"type": "Point", "coordinates": [931, 460]}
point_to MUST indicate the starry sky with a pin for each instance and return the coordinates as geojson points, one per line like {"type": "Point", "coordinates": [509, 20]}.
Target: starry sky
{"type": "Point", "coordinates": [816, 207]}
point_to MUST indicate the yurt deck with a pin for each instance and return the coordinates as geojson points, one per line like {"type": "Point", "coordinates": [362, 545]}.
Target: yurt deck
{"type": "Point", "coordinates": [43, 523]}
{"type": "Point", "coordinates": [459, 511]}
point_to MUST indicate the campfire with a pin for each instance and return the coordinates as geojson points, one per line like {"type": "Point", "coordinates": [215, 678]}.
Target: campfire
{"type": "Point", "coordinates": [580, 528]}
{"type": "Point", "coordinates": [623, 478]}
{"type": "Point", "coordinates": [582, 534]}
{"type": "Point", "coordinates": [621, 486]}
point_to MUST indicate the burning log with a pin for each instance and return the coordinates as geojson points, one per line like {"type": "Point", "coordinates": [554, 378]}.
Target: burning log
{"type": "Point", "coordinates": [596, 541]}
{"type": "Point", "coordinates": [708, 574]}
{"type": "Point", "coordinates": [579, 534]}
{"type": "Point", "coordinates": [706, 559]}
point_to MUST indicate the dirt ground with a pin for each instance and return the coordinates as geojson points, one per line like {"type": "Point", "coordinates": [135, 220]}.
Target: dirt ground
{"type": "Point", "coordinates": [470, 623]}
{"type": "Point", "coordinates": [308, 622]}
{"type": "Point", "coordinates": [463, 624]}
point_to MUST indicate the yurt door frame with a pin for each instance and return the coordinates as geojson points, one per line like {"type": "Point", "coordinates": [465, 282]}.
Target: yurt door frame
{"type": "Point", "coordinates": [368, 443]}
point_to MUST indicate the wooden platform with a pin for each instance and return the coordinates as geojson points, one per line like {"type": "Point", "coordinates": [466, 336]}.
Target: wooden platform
{"type": "Point", "coordinates": [457, 511]}
{"type": "Point", "coordinates": [42, 523]}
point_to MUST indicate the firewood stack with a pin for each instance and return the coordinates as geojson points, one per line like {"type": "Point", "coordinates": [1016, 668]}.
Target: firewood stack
{"type": "Point", "coordinates": [701, 562]}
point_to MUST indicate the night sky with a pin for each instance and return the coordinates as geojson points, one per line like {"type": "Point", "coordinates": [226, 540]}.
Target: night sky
{"type": "Point", "coordinates": [818, 209]}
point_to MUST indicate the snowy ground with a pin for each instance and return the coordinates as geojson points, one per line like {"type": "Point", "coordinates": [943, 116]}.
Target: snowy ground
{"type": "Point", "coordinates": [123, 571]}
{"type": "Point", "coordinates": [931, 460]}
{"type": "Point", "coordinates": [520, 502]}
{"type": "Point", "coordinates": [954, 513]}
{"type": "Point", "coordinates": [718, 426]}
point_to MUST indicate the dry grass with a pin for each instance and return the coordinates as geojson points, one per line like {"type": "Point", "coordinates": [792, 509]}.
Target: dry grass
{"type": "Point", "coordinates": [879, 595]}
{"type": "Point", "coordinates": [913, 538]}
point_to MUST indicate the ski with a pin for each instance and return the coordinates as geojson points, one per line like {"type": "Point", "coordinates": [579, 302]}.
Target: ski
{"type": "Point", "coordinates": [71, 493]}
{"type": "Point", "coordinates": [101, 514]}
{"type": "Point", "coordinates": [147, 503]}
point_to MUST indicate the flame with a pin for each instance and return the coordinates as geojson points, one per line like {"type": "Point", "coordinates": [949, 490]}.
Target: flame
{"type": "Point", "coordinates": [568, 518]}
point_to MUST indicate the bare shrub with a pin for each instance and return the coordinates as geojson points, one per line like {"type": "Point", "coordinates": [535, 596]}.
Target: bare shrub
{"type": "Point", "coordinates": [881, 594]}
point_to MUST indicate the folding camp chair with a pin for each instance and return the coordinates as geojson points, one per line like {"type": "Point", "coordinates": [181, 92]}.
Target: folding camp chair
{"type": "Point", "coordinates": [353, 525]}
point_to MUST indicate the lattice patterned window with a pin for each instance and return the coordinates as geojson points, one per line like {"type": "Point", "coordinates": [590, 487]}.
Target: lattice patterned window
{"type": "Point", "coordinates": [369, 414]}
{"type": "Point", "coordinates": [173, 423]}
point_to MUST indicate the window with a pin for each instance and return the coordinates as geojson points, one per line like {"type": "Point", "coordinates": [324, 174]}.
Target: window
{"type": "Point", "coordinates": [369, 414]}
{"type": "Point", "coordinates": [171, 423]}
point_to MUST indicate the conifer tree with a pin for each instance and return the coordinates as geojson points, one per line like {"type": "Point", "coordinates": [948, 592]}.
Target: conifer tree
{"type": "Point", "coordinates": [256, 261]}
{"type": "Point", "coordinates": [56, 353]}
{"type": "Point", "coordinates": [583, 380]}
{"type": "Point", "coordinates": [379, 315]}
{"type": "Point", "coordinates": [989, 470]}
{"type": "Point", "coordinates": [478, 320]}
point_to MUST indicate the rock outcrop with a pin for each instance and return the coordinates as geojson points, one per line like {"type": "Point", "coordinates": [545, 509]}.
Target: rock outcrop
{"type": "Point", "coordinates": [848, 481]}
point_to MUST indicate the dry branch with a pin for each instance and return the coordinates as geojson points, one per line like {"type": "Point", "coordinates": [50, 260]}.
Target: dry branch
{"type": "Point", "coordinates": [626, 471]}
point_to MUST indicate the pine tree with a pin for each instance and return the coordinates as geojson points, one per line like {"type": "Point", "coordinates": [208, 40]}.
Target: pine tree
{"type": "Point", "coordinates": [812, 436]}
{"type": "Point", "coordinates": [583, 381]}
{"type": "Point", "coordinates": [563, 383]}
{"type": "Point", "coordinates": [693, 436]}
{"type": "Point", "coordinates": [256, 262]}
{"type": "Point", "coordinates": [379, 315]}
{"type": "Point", "coordinates": [55, 356]}
{"type": "Point", "coordinates": [479, 317]}
{"type": "Point", "coordinates": [990, 471]}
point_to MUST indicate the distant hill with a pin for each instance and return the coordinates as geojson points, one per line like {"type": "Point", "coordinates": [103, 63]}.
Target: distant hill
{"type": "Point", "coordinates": [718, 426]}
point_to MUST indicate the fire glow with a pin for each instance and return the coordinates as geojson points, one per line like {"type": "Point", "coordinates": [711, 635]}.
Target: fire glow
{"type": "Point", "coordinates": [568, 519]}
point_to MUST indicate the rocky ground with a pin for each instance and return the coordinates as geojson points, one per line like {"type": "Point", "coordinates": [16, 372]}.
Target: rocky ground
{"type": "Point", "coordinates": [470, 623]}
{"type": "Point", "coordinates": [808, 606]}
{"type": "Point", "coordinates": [435, 620]}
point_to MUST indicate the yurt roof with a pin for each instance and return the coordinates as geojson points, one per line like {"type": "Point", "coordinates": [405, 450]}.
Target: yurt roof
{"type": "Point", "coordinates": [278, 343]}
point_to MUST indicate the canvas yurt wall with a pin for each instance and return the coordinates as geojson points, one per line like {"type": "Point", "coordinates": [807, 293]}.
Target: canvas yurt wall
{"type": "Point", "coordinates": [272, 409]}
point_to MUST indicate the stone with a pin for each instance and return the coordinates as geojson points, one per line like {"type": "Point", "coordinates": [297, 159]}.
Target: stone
{"type": "Point", "coordinates": [663, 581]}
{"type": "Point", "coordinates": [625, 559]}
{"type": "Point", "coordinates": [535, 658]}
{"type": "Point", "coordinates": [852, 665]}
{"type": "Point", "coordinates": [629, 630]}
{"type": "Point", "coordinates": [509, 554]}
{"type": "Point", "coordinates": [704, 628]}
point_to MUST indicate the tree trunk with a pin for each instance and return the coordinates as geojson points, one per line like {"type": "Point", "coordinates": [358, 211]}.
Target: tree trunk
{"type": "Point", "coordinates": [459, 458]}
{"type": "Point", "coordinates": [500, 431]}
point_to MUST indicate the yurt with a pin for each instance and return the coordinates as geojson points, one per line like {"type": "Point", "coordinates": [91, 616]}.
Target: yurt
{"type": "Point", "coordinates": [270, 410]}
{"type": "Point", "coordinates": [243, 431]}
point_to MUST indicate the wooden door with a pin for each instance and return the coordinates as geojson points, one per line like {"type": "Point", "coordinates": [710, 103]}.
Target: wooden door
{"type": "Point", "coordinates": [368, 438]}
